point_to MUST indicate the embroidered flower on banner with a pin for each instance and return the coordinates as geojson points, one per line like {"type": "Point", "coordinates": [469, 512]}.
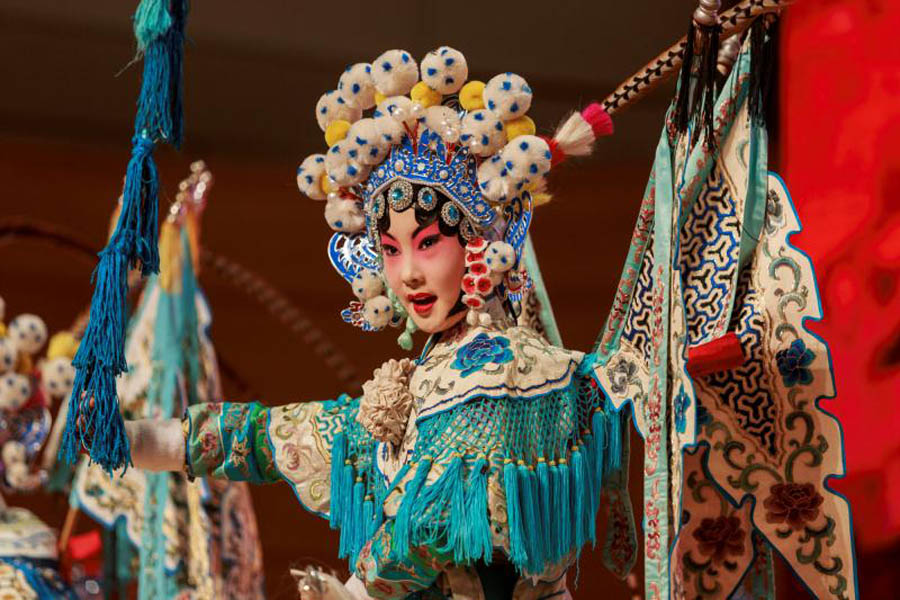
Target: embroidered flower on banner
{"type": "Point", "coordinates": [482, 350]}
{"type": "Point", "coordinates": [621, 375]}
{"type": "Point", "coordinates": [793, 363]}
{"type": "Point", "coordinates": [720, 538]}
{"type": "Point", "coordinates": [793, 503]}
{"type": "Point", "coordinates": [682, 402]}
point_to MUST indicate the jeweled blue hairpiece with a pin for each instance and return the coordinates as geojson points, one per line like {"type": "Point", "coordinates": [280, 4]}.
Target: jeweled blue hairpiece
{"type": "Point", "coordinates": [426, 163]}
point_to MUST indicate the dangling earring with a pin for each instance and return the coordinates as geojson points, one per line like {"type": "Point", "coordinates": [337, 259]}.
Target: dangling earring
{"type": "Point", "coordinates": [404, 340]}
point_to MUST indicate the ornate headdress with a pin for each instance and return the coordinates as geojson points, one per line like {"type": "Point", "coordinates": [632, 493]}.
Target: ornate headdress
{"type": "Point", "coordinates": [469, 142]}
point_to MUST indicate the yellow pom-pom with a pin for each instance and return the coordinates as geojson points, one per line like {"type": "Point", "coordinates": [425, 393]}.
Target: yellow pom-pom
{"type": "Point", "coordinates": [336, 131]}
{"type": "Point", "coordinates": [63, 344]}
{"type": "Point", "coordinates": [521, 126]}
{"type": "Point", "coordinates": [470, 95]}
{"type": "Point", "coordinates": [424, 95]}
{"type": "Point", "coordinates": [2, 329]}
{"type": "Point", "coordinates": [325, 184]}
{"type": "Point", "coordinates": [541, 199]}
{"type": "Point", "coordinates": [379, 98]}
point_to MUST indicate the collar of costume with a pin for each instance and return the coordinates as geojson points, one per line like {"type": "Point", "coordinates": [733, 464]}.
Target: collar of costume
{"type": "Point", "coordinates": [490, 362]}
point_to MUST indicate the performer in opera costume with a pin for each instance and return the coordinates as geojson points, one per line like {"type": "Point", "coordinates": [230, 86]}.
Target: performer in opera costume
{"type": "Point", "coordinates": [475, 470]}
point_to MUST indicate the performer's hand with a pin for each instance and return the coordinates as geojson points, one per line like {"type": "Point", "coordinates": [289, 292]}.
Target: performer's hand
{"type": "Point", "coordinates": [156, 444]}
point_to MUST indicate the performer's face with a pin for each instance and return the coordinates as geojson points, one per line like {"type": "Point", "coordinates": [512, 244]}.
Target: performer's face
{"type": "Point", "coordinates": [425, 270]}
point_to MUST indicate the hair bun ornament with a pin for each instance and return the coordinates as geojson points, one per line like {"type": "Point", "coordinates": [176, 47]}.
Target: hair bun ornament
{"type": "Point", "coordinates": [344, 215]}
{"type": "Point", "coordinates": [357, 86]}
{"type": "Point", "coordinates": [401, 109]}
{"type": "Point", "coordinates": [508, 96]}
{"type": "Point", "coordinates": [15, 390]}
{"type": "Point", "coordinates": [482, 132]}
{"type": "Point", "coordinates": [7, 355]}
{"type": "Point", "coordinates": [28, 332]}
{"type": "Point", "coordinates": [500, 257]}
{"type": "Point", "coordinates": [395, 73]}
{"type": "Point", "coordinates": [342, 165]}
{"type": "Point", "coordinates": [444, 121]}
{"type": "Point", "coordinates": [332, 106]}
{"type": "Point", "coordinates": [445, 70]}
{"type": "Point", "coordinates": [526, 158]}
{"type": "Point", "coordinates": [58, 376]}
{"type": "Point", "coordinates": [367, 284]}
{"type": "Point", "coordinates": [378, 311]}
{"type": "Point", "coordinates": [492, 180]}
{"type": "Point", "coordinates": [365, 140]}
{"type": "Point", "coordinates": [309, 176]}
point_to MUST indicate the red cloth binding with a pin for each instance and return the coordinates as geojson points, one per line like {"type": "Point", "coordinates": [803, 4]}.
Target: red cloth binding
{"type": "Point", "coordinates": [720, 354]}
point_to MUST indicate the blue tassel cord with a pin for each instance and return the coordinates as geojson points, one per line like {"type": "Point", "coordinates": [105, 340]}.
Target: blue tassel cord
{"type": "Point", "coordinates": [94, 423]}
{"type": "Point", "coordinates": [477, 524]}
{"type": "Point", "coordinates": [400, 545]}
{"type": "Point", "coordinates": [518, 554]}
{"type": "Point", "coordinates": [338, 456]}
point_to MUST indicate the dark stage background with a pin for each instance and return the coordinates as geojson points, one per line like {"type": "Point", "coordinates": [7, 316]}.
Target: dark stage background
{"type": "Point", "coordinates": [253, 74]}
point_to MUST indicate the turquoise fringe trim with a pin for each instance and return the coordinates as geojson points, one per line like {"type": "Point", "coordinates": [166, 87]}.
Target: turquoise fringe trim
{"type": "Point", "coordinates": [555, 457]}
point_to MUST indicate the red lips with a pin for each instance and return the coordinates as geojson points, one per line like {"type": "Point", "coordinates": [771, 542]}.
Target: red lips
{"type": "Point", "coordinates": [422, 303]}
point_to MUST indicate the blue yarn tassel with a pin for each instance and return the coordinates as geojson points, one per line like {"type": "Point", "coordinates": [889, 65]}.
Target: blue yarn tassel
{"type": "Point", "coordinates": [578, 495]}
{"type": "Point", "coordinates": [517, 552]}
{"type": "Point", "coordinates": [352, 531]}
{"type": "Point", "coordinates": [531, 521]}
{"type": "Point", "coordinates": [94, 422]}
{"type": "Point", "coordinates": [367, 529]}
{"type": "Point", "coordinates": [547, 530]}
{"type": "Point", "coordinates": [614, 456]}
{"type": "Point", "coordinates": [599, 425]}
{"type": "Point", "coordinates": [477, 523]}
{"type": "Point", "coordinates": [560, 476]}
{"type": "Point", "coordinates": [338, 456]}
{"type": "Point", "coordinates": [403, 520]}
{"type": "Point", "coordinates": [160, 110]}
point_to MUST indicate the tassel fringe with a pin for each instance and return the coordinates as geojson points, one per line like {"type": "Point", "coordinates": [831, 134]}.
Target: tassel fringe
{"type": "Point", "coordinates": [94, 422]}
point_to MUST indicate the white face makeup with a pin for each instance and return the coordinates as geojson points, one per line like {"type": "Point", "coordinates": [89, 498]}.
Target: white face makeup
{"type": "Point", "coordinates": [425, 269]}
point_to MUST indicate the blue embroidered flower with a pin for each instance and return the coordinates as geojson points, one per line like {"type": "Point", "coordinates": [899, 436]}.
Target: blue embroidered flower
{"type": "Point", "coordinates": [703, 415]}
{"type": "Point", "coordinates": [682, 402]}
{"type": "Point", "coordinates": [482, 350]}
{"type": "Point", "coordinates": [793, 362]}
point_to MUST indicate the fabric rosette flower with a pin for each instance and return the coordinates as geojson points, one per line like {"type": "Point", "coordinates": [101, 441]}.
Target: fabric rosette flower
{"type": "Point", "coordinates": [386, 402]}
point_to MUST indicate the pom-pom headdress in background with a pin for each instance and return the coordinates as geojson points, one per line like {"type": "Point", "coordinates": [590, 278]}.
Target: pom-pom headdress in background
{"type": "Point", "coordinates": [467, 141]}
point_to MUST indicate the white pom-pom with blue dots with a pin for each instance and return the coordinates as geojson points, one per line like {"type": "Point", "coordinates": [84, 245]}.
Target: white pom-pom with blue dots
{"type": "Point", "coordinates": [7, 355]}
{"type": "Point", "coordinates": [507, 95]}
{"type": "Point", "coordinates": [365, 138]}
{"type": "Point", "coordinates": [445, 70]}
{"type": "Point", "coordinates": [58, 375]}
{"type": "Point", "coordinates": [343, 166]}
{"type": "Point", "coordinates": [28, 333]}
{"type": "Point", "coordinates": [399, 108]}
{"type": "Point", "coordinates": [492, 181]}
{"type": "Point", "coordinates": [500, 257]}
{"type": "Point", "coordinates": [395, 73]}
{"type": "Point", "coordinates": [309, 175]}
{"type": "Point", "coordinates": [391, 130]}
{"type": "Point", "coordinates": [444, 121]}
{"type": "Point", "coordinates": [357, 86]}
{"type": "Point", "coordinates": [367, 284]}
{"type": "Point", "coordinates": [526, 158]}
{"type": "Point", "coordinates": [15, 390]}
{"type": "Point", "coordinates": [332, 106]}
{"type": "Point", "coordinates": [482, 132]}
{"type": "Point", "coordinates": [378, 311]}
{"type": "Point", "coordinates": [343, 214]}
